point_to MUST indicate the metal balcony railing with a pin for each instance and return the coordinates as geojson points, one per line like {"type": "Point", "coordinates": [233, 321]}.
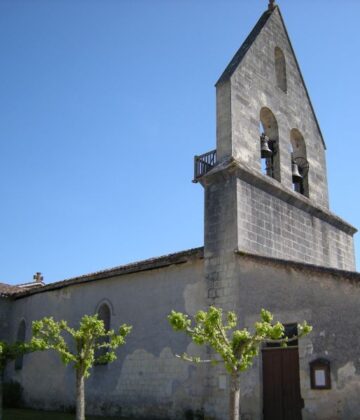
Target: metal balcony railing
{"type": "Point", "coordinates": [203, 164]}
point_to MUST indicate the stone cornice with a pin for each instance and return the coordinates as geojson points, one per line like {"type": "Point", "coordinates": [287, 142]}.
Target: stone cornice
{"type": "Point", "coordinates": [300, 266]}
{"type": "Point", "coordinates": [232, 167]}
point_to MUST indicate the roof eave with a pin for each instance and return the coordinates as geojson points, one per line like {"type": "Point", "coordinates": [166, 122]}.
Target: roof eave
{"type": "Point", "coordinates": [144, 265]}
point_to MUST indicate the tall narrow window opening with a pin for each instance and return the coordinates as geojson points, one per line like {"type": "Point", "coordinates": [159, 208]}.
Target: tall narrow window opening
{"type": "Point", "coordinates": [20, 338]}
{"type": "Point", "coordinates": [299, 163]}
{"type": "Point", "coordinates": [269, 144]}
{"type": "Point", "coordinates": [105, 315]}
{"type": "Point", "coordinates": [280, 69]}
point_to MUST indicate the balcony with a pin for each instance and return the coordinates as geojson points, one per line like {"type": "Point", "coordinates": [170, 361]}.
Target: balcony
{"type": "Point", "coordinates": [203, 164]}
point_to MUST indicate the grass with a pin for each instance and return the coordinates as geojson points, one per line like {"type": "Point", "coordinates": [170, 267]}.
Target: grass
{"type": "Point", "coordinates": [17, 414]}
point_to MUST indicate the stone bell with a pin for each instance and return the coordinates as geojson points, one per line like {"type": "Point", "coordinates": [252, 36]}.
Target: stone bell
{"type": "Point", "coordinates": [296, 177]}
{"type": "Point", "coordinates": [265, 150]}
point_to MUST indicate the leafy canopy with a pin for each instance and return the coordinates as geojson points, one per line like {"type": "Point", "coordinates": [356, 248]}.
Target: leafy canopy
{"type": "Point", "coordinates": [9, 352]}
{"type": "Point", "coordinates": [90, 337]}
{"type": "Point", "coordinates": [237, 348]}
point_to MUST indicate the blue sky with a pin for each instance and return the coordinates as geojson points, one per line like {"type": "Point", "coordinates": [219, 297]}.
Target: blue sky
{"type": "Point", "coordinates": [104, 103]}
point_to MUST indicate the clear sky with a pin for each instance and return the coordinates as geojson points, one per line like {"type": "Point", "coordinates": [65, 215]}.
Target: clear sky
{"type": "Point", "coordinates": [104, 103]}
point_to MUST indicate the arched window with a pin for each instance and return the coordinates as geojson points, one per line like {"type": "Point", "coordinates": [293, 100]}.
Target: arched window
{"type": "Point", "coordinates": [104, 314]}
{"type": "Point", "coordinates": [299, 163]}
{"type": "Point", "coordinates": [269, 144]}
{"type": "Point", "coordinates": [20, 338]}
{"type": "Point", "coordinates": [280, 69]}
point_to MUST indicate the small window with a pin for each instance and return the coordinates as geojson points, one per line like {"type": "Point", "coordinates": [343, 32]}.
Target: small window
{"type": "Point", "coordinates": [105, 315]}
{"type": "Point", "coordinates": [280, 69]}
{"type": "Point", "coordinates": [20, 338]}
{"type": "Point", "coordinates": [320, 377]}
{"type": "Point", "coordinates": [269, 144]}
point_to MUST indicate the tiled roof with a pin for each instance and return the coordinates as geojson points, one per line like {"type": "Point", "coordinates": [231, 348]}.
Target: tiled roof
{"type": "Point", "coordinates": [166, 261]}
{"type": "Point", "coordinates": [7, 289]}
{"type": "Point", "coordinates": [144, 265]}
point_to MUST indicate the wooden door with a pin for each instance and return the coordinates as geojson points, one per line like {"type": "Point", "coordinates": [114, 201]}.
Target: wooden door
{"type": "Point", "coordinates": [281, 384]}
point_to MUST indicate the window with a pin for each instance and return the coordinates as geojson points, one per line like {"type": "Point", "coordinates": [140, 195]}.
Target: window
{"type": "Point", "coordinates": [280, 69]}
{"type": "Point", "coordinates": [20, 338]}
{"type": "Point", "coordinates": [299, 163]}
{"type": "Point", "coordinates": [320, 377]}
{"type": "Point", "coordinates": [269, 144]}
{"type": "Point", "coordinates": [105, 315]}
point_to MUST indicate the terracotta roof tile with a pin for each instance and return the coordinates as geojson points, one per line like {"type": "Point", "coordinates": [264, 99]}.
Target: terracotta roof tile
{"type": "Point", "coordinates": [144, 265]}
{"type": "Point", "coordinates": [8, 289]}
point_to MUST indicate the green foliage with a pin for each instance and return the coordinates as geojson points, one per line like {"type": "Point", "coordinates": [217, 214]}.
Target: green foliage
{"type": "Point", "coordinates": [88, 338]}
{"type": "Point", "coordinates": [9, 352]}
{"type": "Point", "coordinates": [237, 347]}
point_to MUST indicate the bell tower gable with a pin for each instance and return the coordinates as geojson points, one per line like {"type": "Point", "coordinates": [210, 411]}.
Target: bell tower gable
{"type": "Point", "coordinates": [264, 74]}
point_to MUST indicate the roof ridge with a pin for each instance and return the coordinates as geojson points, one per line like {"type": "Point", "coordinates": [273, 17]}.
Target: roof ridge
{"type": "Point", "coordinates": [137, 266]}
{"type": "Point", "coordinates": [302, 78]}
{"type": "Point", "coordinates": [245, 46]}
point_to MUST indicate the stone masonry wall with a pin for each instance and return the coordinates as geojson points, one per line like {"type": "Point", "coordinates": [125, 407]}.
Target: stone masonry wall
{"type": "Point", "coordinates": [147, 380]}
{"type": "Point", "coordinates": [327, 299]}
{"type": "Point", "coordinates": [272, 227]}
{"type": "Point", "coordinates": [4, 317]}
{"type": "Point", "coordinates": [330, 303]}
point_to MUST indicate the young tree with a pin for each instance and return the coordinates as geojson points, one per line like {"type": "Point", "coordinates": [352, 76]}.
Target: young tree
{"type": "Point", "coordinates": [236, 348]}
{"type": "Point", "coordinates": [8, 353]}
{"type": "Point", "coordinates": [87, 340]}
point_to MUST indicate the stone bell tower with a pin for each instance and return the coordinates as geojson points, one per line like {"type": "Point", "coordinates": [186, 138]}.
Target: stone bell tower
{"type": "Point", "coordinates": [266, 193]}
{"type": "Point", "coordinates": [265, 184]}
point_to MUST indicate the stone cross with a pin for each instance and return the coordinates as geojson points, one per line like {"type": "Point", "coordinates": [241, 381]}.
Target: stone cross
{"type": "Point", "coordinates": [38, 277]}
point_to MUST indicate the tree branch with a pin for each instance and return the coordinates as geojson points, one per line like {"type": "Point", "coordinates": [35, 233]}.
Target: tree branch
{"type": "Point", "coordinates": [222, 334]}
{"type": "Point", "coordinates": [283, 340]}
{"type": "Point", "coordinates": [192, 359]}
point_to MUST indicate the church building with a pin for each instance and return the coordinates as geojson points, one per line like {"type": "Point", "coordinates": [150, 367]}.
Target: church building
{"type": "Point", "coordinates": [270, 241]}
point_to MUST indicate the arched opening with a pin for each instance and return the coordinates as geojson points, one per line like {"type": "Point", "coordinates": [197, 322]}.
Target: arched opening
{"type": "Point", "coordinates": [280, 69]}
{"type": "Point", "coordinates": [299, 162]}
{"type": "Point", "coordinates": [269, 139]}
{"type": "Point", "coordinates": [104, 314]}
{"type": "Point", "coordinates": [20, 338]}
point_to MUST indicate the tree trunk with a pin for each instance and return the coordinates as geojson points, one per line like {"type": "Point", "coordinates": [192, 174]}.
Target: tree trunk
{"type": "Point", "coordinates": [80, 395]}
{"type": "Point", "coordinates": [234, 401]}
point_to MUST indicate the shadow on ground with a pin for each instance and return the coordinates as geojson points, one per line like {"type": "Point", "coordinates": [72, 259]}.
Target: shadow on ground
{"type": "Point", "coordinates": [16, 414]}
